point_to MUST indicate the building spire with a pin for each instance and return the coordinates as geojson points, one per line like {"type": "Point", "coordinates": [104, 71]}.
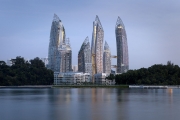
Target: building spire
{"type": "Point", "coordinates": [84, 44]}
{"type": "Point", "coordinates": [97, 18]}
{"type": "Point", "coordinates": [119, 22]}
{"type": "Point", "coordinates": [106, 46]}
{"type": "Point", "coordinates": [86, 40]}
{"type": "Point", "coordinates": [97, 21]}
{"type": "Point", "coordinates": [56, 18]}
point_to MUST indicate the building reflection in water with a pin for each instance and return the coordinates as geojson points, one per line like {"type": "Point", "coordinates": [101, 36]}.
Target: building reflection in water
{"type": "Point", "coordinates": [86, 103]}
{"type": "Point", "coordinates": [105, 104]}
{"type": "Point", "coordinates": [60, 103]}
{"type": "Point", "coordinates": [170, 95]}
{"type": "Point", "coordinates": [170, 91]}
{"type": "Point", "coordinates": [89, 104]}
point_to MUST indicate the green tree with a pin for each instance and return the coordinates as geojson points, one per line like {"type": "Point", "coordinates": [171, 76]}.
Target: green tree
{"type": "Point", "coordinates": [157, 74]}
{"type": "Point", "coordinates": [25, 73]}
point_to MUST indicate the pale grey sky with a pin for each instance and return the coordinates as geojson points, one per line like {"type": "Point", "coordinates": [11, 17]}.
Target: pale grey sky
{"type": "Point", "coordinates": [152, 27]}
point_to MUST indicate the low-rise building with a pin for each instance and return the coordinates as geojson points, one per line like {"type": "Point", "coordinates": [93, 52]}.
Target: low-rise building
{"type": "Point", "coordinates": [9, 62]}
{"type": "Point", "coordinates": [100, 79]}
{"type": "Point", "coordinates": [71, 78]}
{"type": "Point", "coordinates": [74, 68]}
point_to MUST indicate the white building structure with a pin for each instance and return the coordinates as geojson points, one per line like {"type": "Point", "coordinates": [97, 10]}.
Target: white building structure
{"type": "Point", "coordinates": [74, 68]}
{"type": "Point", "coordinates": [9, 62]}
{"type": "Point", "coordinates": [100, 78]}
{"type": "Point", "coordinates": [70, 78]}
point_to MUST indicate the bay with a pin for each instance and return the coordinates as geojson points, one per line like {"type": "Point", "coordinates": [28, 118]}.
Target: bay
{"type": "Point", "coordinates": [89, 104]}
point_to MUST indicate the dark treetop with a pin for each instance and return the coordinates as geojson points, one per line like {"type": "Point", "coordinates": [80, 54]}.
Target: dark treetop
{"type": "Point", "coordinates": [25, 73]}
{"type": "Point", "coordinates": [155, 75]}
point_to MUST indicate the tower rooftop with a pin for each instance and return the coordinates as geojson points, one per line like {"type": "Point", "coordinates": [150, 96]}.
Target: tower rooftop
{"type": "Point", "coordinates": [106, 46]}
{"type": "Point", "coordinates": [56, 18]}
{"type": "Point", "coordinates": [119, 22]}
{"type": "Point", "coordinates": [86, 40]}
{"type": "Point", "coordinates": [85, 43]}
{"type": "Point", "coordinates": [97, 21]}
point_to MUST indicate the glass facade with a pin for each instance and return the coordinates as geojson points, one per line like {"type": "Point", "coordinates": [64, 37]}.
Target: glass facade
{"type": "Point", "coordinates": [97, 47]}
{"type": "Point", "coordinates": [122, 47]}
{"type": "Point", "coordinates": [59, 53]}
{"type": "Point", "coordinates": [84, 57]}
{"type": "Point", "coordinates": [65, 57]}
{"type": "Point", "coordinates": [107, 59]}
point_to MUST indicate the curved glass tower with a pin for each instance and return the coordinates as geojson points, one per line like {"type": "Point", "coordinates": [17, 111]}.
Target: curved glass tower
{"type": "Point", "coordinates": [107, 59]}
{"type": "Point", "coordinates": [64, 61]}
{"type": "Point", "coordinates": [97, 47]}
{"type": "Point", "coordinates": [84, 57]}
{"type": "Point", "coordinates": [57, 37]}
{"type": "Point", "coordinates": [122, 47]}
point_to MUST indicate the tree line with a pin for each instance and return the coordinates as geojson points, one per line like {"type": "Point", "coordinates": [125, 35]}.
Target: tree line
{"type": "Point", "coordinates": [23, 72]}
{"type": "Point", "coordinates": [157, 74]}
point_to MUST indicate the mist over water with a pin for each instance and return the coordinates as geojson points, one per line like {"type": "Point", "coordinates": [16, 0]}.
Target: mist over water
{"type": "Point", "coordinates": [89, 104]}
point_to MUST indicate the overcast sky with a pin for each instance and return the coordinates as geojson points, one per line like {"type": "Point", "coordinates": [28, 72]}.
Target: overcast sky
{"type": "Point", "coordinates": [152, 27]}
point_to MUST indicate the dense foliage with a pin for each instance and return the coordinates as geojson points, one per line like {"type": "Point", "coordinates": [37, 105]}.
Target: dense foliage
{"type": "Point", "coordinates": [25, 73]}
{"type": "Point", "coordinates": [155, 75]}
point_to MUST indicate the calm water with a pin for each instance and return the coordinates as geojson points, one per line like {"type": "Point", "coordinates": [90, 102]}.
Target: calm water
{"type": "Point", "coordinates": [89, 104]}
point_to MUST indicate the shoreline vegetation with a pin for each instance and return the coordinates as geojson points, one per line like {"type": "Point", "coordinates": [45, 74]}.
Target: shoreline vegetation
{"type": "Point", "coordinates": [33, 73]}
{"type": "Point", "coordinates": [157, 74]}
{"type": "Point", "coordinates": [23, 72]}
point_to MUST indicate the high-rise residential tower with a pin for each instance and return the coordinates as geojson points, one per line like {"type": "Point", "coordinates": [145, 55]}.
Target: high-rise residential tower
{"type": "Point", "coordinates": [107, 59]}
{"type": "Point", "coordinates": [97, 47]}
{"type": "Point", "coordinates": [84, 57]}
{"type": "Point", "coordinates": [122, 47]}
{"type": "Point", "coordinates": [64, 57]}
{"type": "Point", "coordinates": [57, 38]}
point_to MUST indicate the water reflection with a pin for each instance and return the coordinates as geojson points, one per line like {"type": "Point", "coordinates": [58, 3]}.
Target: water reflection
{"type": "Point", "coordinates": [92, 104]}
{"type": "Point", "coordinates": [170, 95]}
{"type": "Point", "coordinates": [89, 104]}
